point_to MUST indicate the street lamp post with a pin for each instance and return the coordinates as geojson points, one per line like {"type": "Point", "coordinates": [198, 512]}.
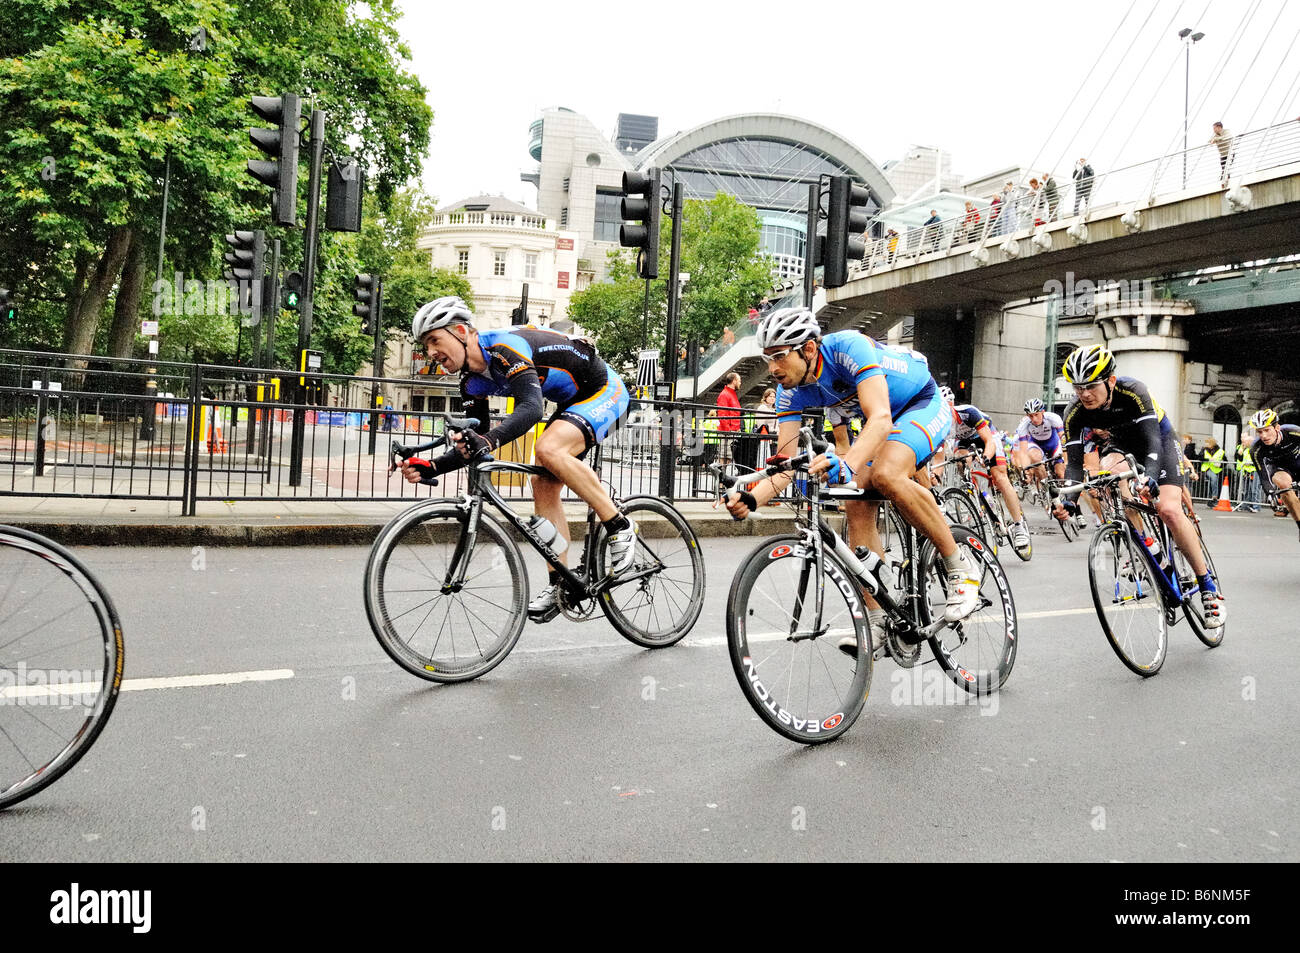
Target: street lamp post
{"type": "Point", "coordinates": [1188, 38]}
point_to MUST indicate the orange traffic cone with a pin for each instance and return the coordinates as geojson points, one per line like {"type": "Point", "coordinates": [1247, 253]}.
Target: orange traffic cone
{"type": "Point", "coordinates": [1223, 505]}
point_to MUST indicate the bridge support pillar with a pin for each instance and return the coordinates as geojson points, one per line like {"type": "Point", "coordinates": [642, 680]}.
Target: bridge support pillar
{"type": "Point", "coordinates": [1147, 340]}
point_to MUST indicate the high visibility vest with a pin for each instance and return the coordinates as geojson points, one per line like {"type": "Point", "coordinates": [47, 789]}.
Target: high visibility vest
{"type": "Point", "coordinates": [1245, 463]}
{"type": "Point", "coordinates": [1213, 463]}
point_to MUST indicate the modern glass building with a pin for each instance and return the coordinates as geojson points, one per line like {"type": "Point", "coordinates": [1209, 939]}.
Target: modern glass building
{"type": "Point", "coordinates": [764, 159]}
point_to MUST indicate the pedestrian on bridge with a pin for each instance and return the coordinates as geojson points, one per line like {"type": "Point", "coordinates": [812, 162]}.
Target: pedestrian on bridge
{"type": "Point", "coordinates": [1051, 196]}
{"type": "Point", "coordinates": [933, 230]}
{"type": "Point", "coordinates": [1222, 139]}
{"type": "Point", "coordinates": [1007, 220]}
{"type": "Point", "coordinates": [1083, 176]}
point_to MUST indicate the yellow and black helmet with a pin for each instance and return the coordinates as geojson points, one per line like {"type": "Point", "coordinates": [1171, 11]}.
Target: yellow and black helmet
{"type": "Point", "coordinates": [1088, 364]}
{"type": "Point", "coordinates": [1263, 418]}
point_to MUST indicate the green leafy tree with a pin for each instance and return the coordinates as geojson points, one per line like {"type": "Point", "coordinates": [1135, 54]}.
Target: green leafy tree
{"type": "Point", "coordinates": [728, 276]}
{"type": "Point", "coordinates": [98, 95]}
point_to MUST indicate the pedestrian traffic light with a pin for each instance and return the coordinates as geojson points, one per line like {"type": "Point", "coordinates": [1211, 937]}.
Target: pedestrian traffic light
{"type": "Point", "coordinates": [365, 288]}
{"type": "Point", "coordinates": [846, 221]}
{"type": "Point", "coordinates": [640, 210]}
{"type": "Point", "coordinates": [281, 143]}
{"type": "Point", "coordinates": [8, 309]}
{"type": "Point", "coordinates": [291, 293]}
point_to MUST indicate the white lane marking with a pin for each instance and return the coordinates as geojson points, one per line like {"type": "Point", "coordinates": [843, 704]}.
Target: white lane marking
{"type": "Point", "coordinates": [202, 681]}
{"type": "Point", "coordinates": [143, 684]}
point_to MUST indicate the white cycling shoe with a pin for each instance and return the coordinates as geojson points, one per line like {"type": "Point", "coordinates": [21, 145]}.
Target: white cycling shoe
{"type": "Point", "coordinates": [622, 550]}
{"type": "Point", "coordinates": [963, 594]}
{"type": "Point", "coordinates": [1212, 605]}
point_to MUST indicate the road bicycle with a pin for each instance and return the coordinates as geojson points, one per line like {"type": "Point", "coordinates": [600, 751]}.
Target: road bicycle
{"type": "Point", "coordinates": [1137, 588]}
{"type": "Point", "coordinates": [995, 521]}
{"type": "Point", "coordinates": [797, 594]}
{"type": "Point", "coordinates": [61, 656]}
{"type": "Point", "coordinates": [446, 590]}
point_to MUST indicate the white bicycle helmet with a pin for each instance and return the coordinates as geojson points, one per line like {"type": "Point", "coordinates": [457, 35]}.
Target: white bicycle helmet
{"type": "Point", "coordinates": [1263, 418]}
{"type": "Point", "coordinates": [946, 393]}
{"type": "Point", "coordinates": [439, 314]}
{"type": "Point", "coordinates": [1034, 406]}
{"type": "Point", "coordinates": [787, 327]}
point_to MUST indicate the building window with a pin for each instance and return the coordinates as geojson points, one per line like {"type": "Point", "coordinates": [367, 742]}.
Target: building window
{"type": "Point", "coordinates": [499, 264]}
{"type": "Point", "coordinates": [609, 216]}
{"type": "Point", "coordinates": [564, 216]}
{"type": "Point", "coordinates": [462, 261]}
{"type": "Point", "coordinates": [530, 267]}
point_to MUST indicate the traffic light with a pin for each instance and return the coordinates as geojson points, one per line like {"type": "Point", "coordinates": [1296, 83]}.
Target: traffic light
{"type": "Point", "coordinates": [281, 143]}
{"type": "Point", "coordinates": [244, 262]}
{"type": "Point", "coordinates": [517, 316]}
{"type": "Point", "coordinates": [291, 291]}
{"type": "Point", "coordinates": [365, 288]}
{"type": "Point", "coordinates": [846, 221]}
{"type": "Point", "coordinates": [640, 210]}
{"type": "Point", "coordinates": [8, 309]}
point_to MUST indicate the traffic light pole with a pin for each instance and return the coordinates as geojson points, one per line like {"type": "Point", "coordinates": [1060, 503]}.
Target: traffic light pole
{"type": "Point", "coordinates": [668, 452]}
{"type": "Point", "coordinates": [810, 242]}
{"type": "Point", "coordinates": [317, 143]}
{"type": "Point", "coordinates": [377, 366]}
{"type": "Point", "coordinates": [268, 362]}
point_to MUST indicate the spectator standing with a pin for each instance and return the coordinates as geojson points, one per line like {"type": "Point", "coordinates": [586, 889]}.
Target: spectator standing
{"type": "Point", "coordinates": [970, 223]}
{"type": "Point", "coordinates": [995, 209]}
{"type": "Point", "coordinates": [932, 230]}
{"type": "Point", "coordinates": [1051, 196]}
{"type": "Point", "coordinates": [1248, 487]}
{"type": "Point", "coordinates": [729, 414]}
{"type": "Point", "coordinates": [1222, 139]}
{"type": "Point", "coordinates": [729, 336]}
{"type": "Point", "coordinates": [1083, 176]}
{"type": "Point", "coordinates": [1010, 212]}
{"type": "Point", "coordinates": [891, 244]}
{"type": "Point", "coordinates": [1212, 463]}
{"type": "Point", "coordinates": [1035, 202]}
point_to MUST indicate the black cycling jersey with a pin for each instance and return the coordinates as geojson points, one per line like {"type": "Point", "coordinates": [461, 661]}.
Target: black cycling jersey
{"type": "Point", "coordinates": [1283, 455]}
{"type": "Point", "coordinates": [1136, 423]}
{"type": "Point", "coordinates": [528, 364]}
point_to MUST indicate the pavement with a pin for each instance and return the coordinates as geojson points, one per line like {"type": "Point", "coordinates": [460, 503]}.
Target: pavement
{"type": "Point", "coordinates": [307, 522]}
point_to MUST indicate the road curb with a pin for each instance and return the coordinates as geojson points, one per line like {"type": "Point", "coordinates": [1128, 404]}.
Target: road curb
{"type": "Point", "coordinates": [310, 532]}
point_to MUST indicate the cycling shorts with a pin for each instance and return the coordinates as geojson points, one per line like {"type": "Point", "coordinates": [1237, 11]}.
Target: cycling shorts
{"type": "Point", "coordinates": [596, 415]}
{"type": "Point", "coordinates": [922, 424]}
{"type": "Point", "coordinates": [1051, 447]}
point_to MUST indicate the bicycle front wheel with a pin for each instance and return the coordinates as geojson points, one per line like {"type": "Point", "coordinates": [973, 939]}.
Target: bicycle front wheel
{"type": "Point", "coordinates": [656, 602]}
{"type": "Point", "coordinates": [60, 662]}
{"type": "Point", "coordinates": [1128, 599]}
{"type": "Point", "coordinates": [978, 652]}
{"type": "Point", "coordinates": [960, 509]}
{"type": "Point", "coordinates": [787, 660]}
{"type": "Point", "coordinates": [445, 608]}
{"type": "Point", "coordinates": [1192, 608]}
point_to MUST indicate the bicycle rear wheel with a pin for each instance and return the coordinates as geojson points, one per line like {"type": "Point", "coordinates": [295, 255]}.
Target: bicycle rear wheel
{"type": "Point", "coordinates": [797, 679]}
{"type": "Point", "coordinates": [1192, 608]}
{"type": "Point", "coordinates": [61, 658]}
{"type": "Point", "coordinates": [657, 601]}
{"type": "Point", "coordinates": [978, 652]}
{"type": "Point", "coordinates": [431, 625]}
{"type": "Point", "coordinates": [1128, 600]}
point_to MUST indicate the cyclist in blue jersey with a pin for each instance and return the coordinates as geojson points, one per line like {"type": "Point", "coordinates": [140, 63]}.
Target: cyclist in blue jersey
{"type": "Point", "coordinates": [1040, 438]}
{"type": "Point", "coordinates": [905, 421]}
{"type": "Point", "coordinates": [972, 430]}
{"type": "Point", "coordinates": [530, 364]}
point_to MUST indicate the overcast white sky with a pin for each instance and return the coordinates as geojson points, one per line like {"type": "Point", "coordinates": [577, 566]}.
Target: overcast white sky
{"type": "Point", "coordinates": [986, 81]}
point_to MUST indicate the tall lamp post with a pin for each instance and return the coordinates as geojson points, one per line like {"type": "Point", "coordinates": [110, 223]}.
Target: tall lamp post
{"type": "Point", "coordinates": [1188, 38]}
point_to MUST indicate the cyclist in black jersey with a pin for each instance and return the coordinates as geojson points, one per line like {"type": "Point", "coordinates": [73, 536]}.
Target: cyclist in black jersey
{"type": "Point", "coordinates": [1124, 408]}
{"type": "Point", "coordinates": [1278, 451]}
{"type": "Point", "coordinates": [530, 364]}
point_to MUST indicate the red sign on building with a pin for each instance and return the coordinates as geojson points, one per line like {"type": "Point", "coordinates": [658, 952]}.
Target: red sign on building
{"type": "Point", "coordinates": [561, 279]}
{"type": "Point", "coordinates": [564, 244]}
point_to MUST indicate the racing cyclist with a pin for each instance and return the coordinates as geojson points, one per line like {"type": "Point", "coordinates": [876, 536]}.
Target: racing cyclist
{"type": "Point", "coordinates": [1124, 408]}
{"type": "Point", "coordinates": [905, 421]}
{"type": "Point", "coordinates": [1278, 450]}
{"type": "Point", "coordinates": [973, 430]}
{"type": "Point", "coordinates": [1040, 440]}
{"type": "Point", "coordinates": [530, 364]}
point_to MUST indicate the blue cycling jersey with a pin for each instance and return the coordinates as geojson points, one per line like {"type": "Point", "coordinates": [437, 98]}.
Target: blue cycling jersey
{"type": "Point", "coordinates": [567, 370]}
{"type": "Point", "coordinates": [844, 360]}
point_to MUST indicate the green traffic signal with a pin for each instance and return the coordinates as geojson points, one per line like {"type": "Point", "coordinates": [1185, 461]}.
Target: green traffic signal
{"type": "Point", "coordinates": [291, 294]}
